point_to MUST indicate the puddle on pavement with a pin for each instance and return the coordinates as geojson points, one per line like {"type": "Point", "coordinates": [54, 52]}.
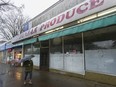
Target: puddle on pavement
{"type": "Point", "coordinates": [18, 76]}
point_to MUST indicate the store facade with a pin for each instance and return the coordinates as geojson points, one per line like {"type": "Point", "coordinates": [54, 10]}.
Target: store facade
{"type": "Point", "coordinates": [2, 54]}
{"type": "Point", "coordinates": [26, 48]}
{"type": "Point", "coordinates": [79, 42]}
{"type": "Point", "coordinates": [6, 52]}
{"type": "Point", "coordinates": [33, 49]}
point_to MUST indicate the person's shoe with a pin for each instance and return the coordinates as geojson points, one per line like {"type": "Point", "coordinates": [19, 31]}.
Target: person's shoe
{"type": "Point", "coordinates": [30, 82]}
{"type": "Point", "coordinates": [24, 82]}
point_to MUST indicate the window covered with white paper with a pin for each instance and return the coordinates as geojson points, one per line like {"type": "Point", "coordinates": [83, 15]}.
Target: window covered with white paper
{"type": "Point", "coordinates": [73, 54]}
{"type": "Point", "coordinates": [56, 55]}
{"type": "Point", "coordinates": [100, 51]}
{"type": "Point", "coordinates": [36, 53]}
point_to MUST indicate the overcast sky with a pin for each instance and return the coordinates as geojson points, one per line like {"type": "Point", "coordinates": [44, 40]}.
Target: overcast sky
{"type": "Point", "coordinates": [33, 7]}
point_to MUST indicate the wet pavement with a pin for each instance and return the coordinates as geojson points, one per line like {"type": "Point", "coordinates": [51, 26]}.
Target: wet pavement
{"type": "Point", "coordinates": [13, 77]}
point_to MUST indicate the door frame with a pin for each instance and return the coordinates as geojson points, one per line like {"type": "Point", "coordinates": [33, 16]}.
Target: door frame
{"type": "Point", "coordinates": [44, 58]}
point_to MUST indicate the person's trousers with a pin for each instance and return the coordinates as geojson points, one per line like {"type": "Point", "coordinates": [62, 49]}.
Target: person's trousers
{"type": "Point", "coordinates": [28, 73]}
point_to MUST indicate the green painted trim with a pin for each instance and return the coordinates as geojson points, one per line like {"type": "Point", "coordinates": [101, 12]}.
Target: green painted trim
{"type": "Point", "coordinates": [29, 41]}
{"type": "Point", "coordinates": [18, 44]}
{"type": "Point", "coordinates": [25, 42]}
{"type": "Point", "coordinates": [91, 25]}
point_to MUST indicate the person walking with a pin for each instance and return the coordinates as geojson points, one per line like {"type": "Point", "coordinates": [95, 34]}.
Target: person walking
{"type": "Point", "coordinates": [28, 65]}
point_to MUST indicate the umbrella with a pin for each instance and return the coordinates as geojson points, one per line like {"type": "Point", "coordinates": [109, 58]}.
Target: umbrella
{"type": "Point", "coordinates": [26, 58]}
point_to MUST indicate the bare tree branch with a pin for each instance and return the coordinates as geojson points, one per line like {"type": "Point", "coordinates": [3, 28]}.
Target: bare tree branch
{"type": "Point", "coordinates": [11, 24]}
{"type": "Point", "coordinates": [11, 20]}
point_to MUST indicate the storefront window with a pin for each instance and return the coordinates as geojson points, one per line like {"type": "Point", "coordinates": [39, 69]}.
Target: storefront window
{"type": "Point", "coordinates": [18, 53]}
{"type": "Point", "coordinates": [73, 44]}
{"type": "Point", "coordinates": [56, 45]}
{"type": "Point", "coordinates": [56, 54]}
{"type": "Point", "coordinates": [73, 54]}
{"type": "Point", "coordinates": [100, 50]}
{"type": "Point", "coordinates": [36, 53]}
{"type": "Point", "coordinates": [36, 48]}
{"type": "Point", "coordinates": [27, 50]}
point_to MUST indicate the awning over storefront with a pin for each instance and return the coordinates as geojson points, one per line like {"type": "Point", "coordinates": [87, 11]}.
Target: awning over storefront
{"type": "Point", "coordinates": [18, 44]}
{"type": "Point", "coordinates": [98, 23]}
{"type": "Point", "coordinates": [29, 41]}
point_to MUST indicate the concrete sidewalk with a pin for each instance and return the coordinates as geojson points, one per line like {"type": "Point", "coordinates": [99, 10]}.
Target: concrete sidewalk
{"type": "Point", "coordinates": [13, 77]}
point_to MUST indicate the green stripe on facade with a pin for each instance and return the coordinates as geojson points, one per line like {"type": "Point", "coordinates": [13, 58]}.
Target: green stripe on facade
{"type": "Point", "coordinates": [26, 42]}
{"type": "Point", "coordinates": [98, 23]}
{"type": "Point", "coordinates": [29, 41]}
{"type": "Point", "coordinates": [18, 44]}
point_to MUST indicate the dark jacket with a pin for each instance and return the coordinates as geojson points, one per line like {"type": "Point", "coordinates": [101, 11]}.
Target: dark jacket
{"type": "Point", "coordinates": [28, 64]}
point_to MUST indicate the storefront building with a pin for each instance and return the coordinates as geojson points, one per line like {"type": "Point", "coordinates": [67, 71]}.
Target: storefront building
{"type": "Point", "coordinates": [6, 52]}
{"type": "Point", "coordinates": [26, 48]}
{"type": "Point", "coordinates": [79, 42]}
{"type": "Point", "coordinates": [2, 53]}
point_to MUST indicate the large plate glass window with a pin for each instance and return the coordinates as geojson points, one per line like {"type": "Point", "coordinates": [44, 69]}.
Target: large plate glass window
{"type": "Point", "coordinates": [27, 50]}
{"type": "Point", "coordinates": [100, 50]}
{"type": "Point", "coordinates": [73, 54]}
{"type": "Point", "coordinates": [36, 53]}
{"type": "Point", "coordinates": [56, 55]}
